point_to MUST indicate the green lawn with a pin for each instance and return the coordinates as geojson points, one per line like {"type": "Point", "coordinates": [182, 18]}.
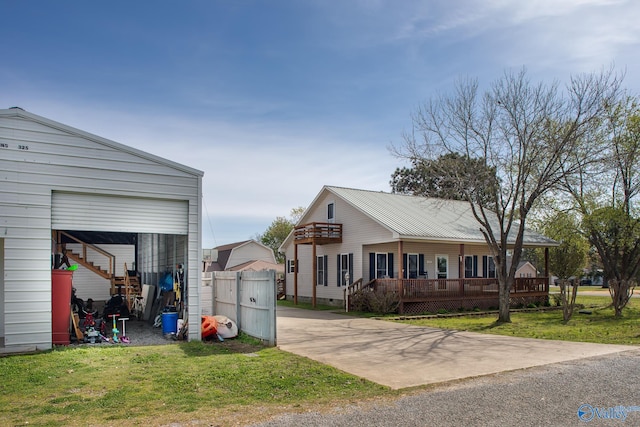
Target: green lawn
{"type": "Point", "coordinates": [218, 383]}
{"type": "Point", "coordinates": [237, 381]}
{"type": "Point", "coordinates": [600, 326]}
{"type": "Point", "coordinates": [308, 306]}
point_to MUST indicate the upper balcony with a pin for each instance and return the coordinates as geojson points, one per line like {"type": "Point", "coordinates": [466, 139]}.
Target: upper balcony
{"type": "Point", "coordinates": [319, 233]}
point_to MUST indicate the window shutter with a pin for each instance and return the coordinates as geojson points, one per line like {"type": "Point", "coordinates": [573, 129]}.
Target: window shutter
{"type": "Point", "coordinates": [325, 264]}
{"type": "Point", "coordinates": [475, 266]}
{"type": "Point", "coordinates": [404, 265]}
{"type": "Point", "coordinates": [390, 266]}
{"type": "Point", "coordinates": [372, 265]}
{"type": "Point", "coordinates": [485, 266]}
{"type": "Point", "coordinates": [421, 271]}
{"type": "Point", "coordinates": [339, 270]}
{"type": "Point", "coordinates": [351, 268]}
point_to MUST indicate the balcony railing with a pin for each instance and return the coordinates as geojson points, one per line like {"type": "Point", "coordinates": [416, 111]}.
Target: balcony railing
{"type": "Point", "coordinates": [320, 233]}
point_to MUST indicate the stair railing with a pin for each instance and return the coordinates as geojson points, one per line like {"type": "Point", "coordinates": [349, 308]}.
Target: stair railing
{"type": "Point", "coordinates": [82, 258]}
{"type": "Point", "coordinates": [352, 289]}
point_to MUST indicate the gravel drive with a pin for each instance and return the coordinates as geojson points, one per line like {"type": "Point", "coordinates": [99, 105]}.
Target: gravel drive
{"type": "Point", "coordinates": [550, 395]}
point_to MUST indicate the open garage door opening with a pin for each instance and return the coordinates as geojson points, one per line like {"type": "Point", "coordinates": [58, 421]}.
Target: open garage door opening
{"type": "Point", "coordinates": [123, 275]}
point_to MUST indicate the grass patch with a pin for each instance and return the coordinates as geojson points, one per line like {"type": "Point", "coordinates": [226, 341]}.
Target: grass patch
{"type": "Point", "coordinates": [308, 306]}
{"type": "Point", "coordinates": [158, 385]}
{"type": "Point", "coordinates": [599, 327]}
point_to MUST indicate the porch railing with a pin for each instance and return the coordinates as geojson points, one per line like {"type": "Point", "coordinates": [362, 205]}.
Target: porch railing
{"type": "Point", "coordinates": [318, 232]}
{"type": "Point", "coordinates": [419, 289]}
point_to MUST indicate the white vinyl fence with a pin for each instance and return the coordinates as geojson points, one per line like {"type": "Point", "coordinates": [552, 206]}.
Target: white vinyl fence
{"type": "Point", "coordinates": [248, 298]}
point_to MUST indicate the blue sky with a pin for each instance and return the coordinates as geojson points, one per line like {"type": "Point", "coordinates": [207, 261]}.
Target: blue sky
{"type": "Point", "coordinates": [274, 99]}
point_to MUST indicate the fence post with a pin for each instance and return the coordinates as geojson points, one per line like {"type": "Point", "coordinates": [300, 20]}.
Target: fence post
{"type": "Point", "coordinates": [238, 311]}
{"type": "Point", "coordinates": [272, 310]}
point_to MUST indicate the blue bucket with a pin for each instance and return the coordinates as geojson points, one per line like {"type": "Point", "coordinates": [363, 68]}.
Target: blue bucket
{"type": "Point", "coordinates": [169, 323]}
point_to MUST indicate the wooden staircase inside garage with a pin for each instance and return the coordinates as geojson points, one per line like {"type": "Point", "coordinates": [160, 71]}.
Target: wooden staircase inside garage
{"type": "Point", "coordinates": [127, 286]}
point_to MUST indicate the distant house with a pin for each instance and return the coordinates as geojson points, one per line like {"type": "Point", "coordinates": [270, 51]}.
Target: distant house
{"type": "Point", "coordinates": [430, 251]}
{"type": "Point", "coordinates": [247, 255]}
{"type": "Point", "coordinates": [526, 269]}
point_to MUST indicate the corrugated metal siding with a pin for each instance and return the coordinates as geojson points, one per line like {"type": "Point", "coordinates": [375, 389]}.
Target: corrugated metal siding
{"type": "Point", "coordinates": [38, 157]}
{"type": "Point", "coordinates": [1, 289]}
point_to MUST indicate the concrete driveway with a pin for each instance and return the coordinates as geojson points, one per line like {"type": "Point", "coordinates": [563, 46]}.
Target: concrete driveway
{"type": "Point", "coordinates": [399, 356]}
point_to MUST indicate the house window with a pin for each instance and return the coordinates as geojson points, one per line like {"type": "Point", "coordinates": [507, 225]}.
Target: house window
{"type": "Point", "coordinates": [488, 267]}
{"type": "Point", "coordinates": [382, 269]}
{"type": "Point", "coordinates": [471, 266]}
{"type": "Point", "coordinates": [345, 269]}
{"type": "Point", "coordinates": [412, 267]}
{"type": "Point", "coordinates": [442, 269]}
{"type": "Point", "coordinates": [291, 266]}
{"type": "Point", "coordinates": [380, 265]}
{"type": "Point", "coordinates": [321, 270]}
{"type": "Point", "coordinates": [331, 214]}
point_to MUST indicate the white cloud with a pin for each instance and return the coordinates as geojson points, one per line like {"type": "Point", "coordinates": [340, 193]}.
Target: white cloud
{"type": "Point", "coordinates": [579, 34]}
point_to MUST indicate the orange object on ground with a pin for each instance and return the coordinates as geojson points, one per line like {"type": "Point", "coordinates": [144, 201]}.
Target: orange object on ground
{"type": "Point", "coordinates": [208, 326]}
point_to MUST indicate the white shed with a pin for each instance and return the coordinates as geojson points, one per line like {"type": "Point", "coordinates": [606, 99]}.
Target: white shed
{"type": "Point", "coordinates": [61, 181]}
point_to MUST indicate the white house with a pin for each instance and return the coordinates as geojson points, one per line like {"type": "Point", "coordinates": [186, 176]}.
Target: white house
{"type": "Point", "coordinates": [432, 249]}
{"type": "Point", "coordinates": [63, 187]}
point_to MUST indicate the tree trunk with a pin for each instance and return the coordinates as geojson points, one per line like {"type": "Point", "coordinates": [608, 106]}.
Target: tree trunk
{"type": "Point", "coordinates": [621, 291]}
{"type": "Point", "coordinates": [568, 299]}
{"type": "Point", "coordinates": [504, 314]}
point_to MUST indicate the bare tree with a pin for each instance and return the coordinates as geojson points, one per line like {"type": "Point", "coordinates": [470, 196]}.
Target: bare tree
{"type": "Point", "coordinates": [533, 135]}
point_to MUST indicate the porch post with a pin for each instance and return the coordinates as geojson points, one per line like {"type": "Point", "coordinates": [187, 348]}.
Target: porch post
{"type": "Point", "coordinates": [400, 271]}
{"type": "Point", "coordinates": [546, 268]}
{"type": "Point", "coordinates": [461, 269]}
{"type": "Point", "coordinates": [461, 262]}
{"type": "Point", "coordinates": [315, 276]}
{"type": "Point", "coordinates": [295, 273]}
{"type": "Point", "coordinates": [399, 261]}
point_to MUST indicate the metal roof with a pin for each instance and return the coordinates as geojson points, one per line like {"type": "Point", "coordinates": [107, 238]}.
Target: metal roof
{"type": "Point", "coordinates": [21, 113]}
{"type": "Point", "coordinates": [424, 218]}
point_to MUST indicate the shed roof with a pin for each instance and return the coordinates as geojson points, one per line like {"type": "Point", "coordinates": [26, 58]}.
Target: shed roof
{"type": "Point", "coordinates": [224, 252]}
{"type": "Point", "coordinates": [258, 265]}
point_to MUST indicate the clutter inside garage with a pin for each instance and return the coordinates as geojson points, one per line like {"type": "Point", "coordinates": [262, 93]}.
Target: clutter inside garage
{"type": "Point", "coordinates": [94, 301]}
